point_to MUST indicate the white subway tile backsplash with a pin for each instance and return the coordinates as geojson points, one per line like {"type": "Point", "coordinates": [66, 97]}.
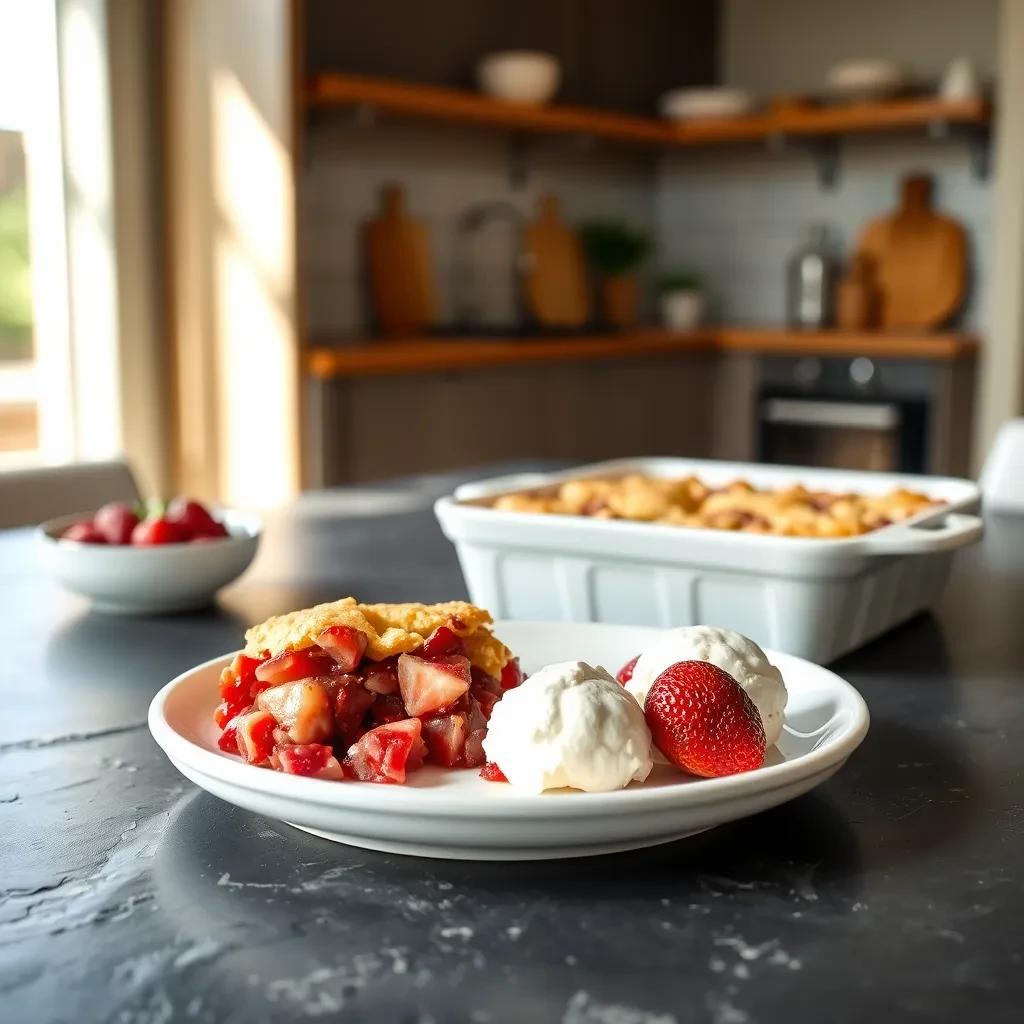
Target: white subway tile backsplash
{"type": "Point", "coordinates": [735, 216]}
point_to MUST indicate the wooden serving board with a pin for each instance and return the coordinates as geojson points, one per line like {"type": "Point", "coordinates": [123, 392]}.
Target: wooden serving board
{"type": "Point", "coordinates": [555, 277]}
{"type": "Point", "coordinates": [399, 267]}
{"type": "Point", "coordinates": [919, 261]}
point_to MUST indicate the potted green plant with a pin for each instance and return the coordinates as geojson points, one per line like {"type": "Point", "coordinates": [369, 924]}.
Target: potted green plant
{"type": "Point", "coordinates": [682, 300]}
{"type": "Point", "coordinates": [615, 251]}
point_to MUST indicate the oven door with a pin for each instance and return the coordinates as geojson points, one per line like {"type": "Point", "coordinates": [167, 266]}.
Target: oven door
{"type": "Point", "coordinates": [843, 433]}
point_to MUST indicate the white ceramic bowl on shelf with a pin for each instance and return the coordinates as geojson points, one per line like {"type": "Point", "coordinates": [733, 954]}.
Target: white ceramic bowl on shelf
{"type": "Point", "coordinates": [864, 80]}
{"type": "Point", "coordinates": [128, 580]}
{"type": "Point", "coordinates": [710, 102]}
{"type": "Point", "coordinates": [520, 76]}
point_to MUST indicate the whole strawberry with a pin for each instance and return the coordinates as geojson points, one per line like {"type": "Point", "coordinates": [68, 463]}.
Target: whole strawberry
{"type": "Point", "coordinates": [702, 720]}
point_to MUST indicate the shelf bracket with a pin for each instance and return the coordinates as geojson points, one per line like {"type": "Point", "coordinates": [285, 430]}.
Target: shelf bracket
{"type": "Point", "coordinates": [826, 155]}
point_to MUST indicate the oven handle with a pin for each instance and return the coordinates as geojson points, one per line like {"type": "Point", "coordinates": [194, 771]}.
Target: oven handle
{"type": "Point", "coordinates": [954, 530]}
{"type": "Point", "coordinates": [813, 412]}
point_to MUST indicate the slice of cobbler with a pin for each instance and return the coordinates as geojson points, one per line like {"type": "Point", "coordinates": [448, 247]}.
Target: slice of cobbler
{"type": "Point", "coordinates": [365, 691]}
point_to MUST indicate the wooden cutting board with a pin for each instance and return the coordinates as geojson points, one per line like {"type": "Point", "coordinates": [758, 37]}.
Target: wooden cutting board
{"type": "Point", "coordinates": [919, 259]}
{"type": "Point", "coordinates": [399, 267]}
{"type": "Point", "coordinates": [554, 277]}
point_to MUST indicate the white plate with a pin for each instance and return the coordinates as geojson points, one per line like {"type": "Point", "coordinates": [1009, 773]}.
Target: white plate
{"type": "Point", "coordinates": [456, 814]}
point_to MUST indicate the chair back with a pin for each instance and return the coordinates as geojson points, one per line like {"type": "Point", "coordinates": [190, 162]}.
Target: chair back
{"type": "Point", "coordinates": [31, 496]}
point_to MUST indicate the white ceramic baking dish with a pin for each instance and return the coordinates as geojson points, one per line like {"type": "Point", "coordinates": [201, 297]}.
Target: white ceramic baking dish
{"type": "Point", "coordinates": [811, 597]}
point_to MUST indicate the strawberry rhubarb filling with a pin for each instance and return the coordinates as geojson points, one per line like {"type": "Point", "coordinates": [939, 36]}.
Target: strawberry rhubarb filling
{"type": "Point", "coordinates": [330, 711]}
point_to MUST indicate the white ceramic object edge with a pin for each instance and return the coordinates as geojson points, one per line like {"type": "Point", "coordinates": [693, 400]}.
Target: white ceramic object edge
{"type": "Point", "coordinates": [126, 580]}
{"type": "Point", "coordinates": [486, 821]}
{"type": "Point", "coordinates": [815, 598]}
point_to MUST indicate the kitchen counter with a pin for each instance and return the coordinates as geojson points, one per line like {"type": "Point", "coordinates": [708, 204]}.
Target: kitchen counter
{"type": "Point", "coordinates": [420, 355]}
{"type": "Point", "coordinates": [893, 892]}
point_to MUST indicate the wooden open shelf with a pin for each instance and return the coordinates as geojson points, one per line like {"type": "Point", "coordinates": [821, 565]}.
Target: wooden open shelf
{"type": "Point", "coordinates": [430, 354]}
{"type": "Point", "coordinates": [439, 104]}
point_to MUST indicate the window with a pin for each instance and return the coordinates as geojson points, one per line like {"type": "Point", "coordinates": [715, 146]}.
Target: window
{"type": "Point", "coordinates": [35, 416]}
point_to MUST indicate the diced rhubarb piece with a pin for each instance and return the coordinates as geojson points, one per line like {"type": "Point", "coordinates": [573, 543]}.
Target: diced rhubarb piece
{"type": "Point", "coordinates": [473, 754]}
{"type": "Point", "coordinates": [445, 736]}
{"type": "Point", "coordinates": [511, 674]}
{"type": "Point", "coordinates": [492, 773]}
{"type": "Point", "coordinates": [626, 672]}
{"type": "Point", "coordinates": [292, 665]}
{"type": "Point", "coordinates": [429, 685]}
{"type": "Point", "coordinates": [381, 676]}
{"type": "Point", "coordinates": [84, 533]}
{"type": "Point", "coordinates": [441, 642]}
{"type": "Point", "coordinates": [344, 644]}
{"type": "Point", "coordinates": [388, 708]}
{"type": "Point", "coordinates": [313, 759]}
{"type": "Point", "coordinates": [230, 707]}
{"type": "Point", "coordinates": [302, 708]}
{"type": "Point", "coordinates": [485, 700]}
{"type": "Point", "coordinates": [481, 680]}
{"type": "Point", "coordinates": [116, 521]}
{"type": "Point", "coordinates": [254, 733]}
{"type": "Point", "coordinates": [350, 707]}
{"type": "Point", "coordinates": [383, 754]}
{"type": "Point", "coordinates": [228, 741]}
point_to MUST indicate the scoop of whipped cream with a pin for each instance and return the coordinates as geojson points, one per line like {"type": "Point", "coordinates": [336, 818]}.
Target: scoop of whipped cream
{"type": "Point", "coordinates": [730, 651]}
{"type": "Point", "coordinates": [569, 725]}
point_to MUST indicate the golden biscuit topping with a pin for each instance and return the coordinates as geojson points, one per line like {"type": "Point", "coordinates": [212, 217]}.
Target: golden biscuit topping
{"type": "Point", "coordinates": [389, 628]}
{"type": "Point", "coordinates": [787, 512]}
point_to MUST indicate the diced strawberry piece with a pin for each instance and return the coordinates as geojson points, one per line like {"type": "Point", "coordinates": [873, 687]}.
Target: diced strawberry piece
{"type": "Point", "coordinates": [481, 680]}
{"type": "Point", "coordinates": [313, 759]}
{"type": "Point", "coordinates": [381, 676]}
{"type": "Point", "coordinates": [492, 773]}
{"type": "Point", "coordinates": [383, 754]}
{"type": "Point", "coordinates": [344, 644]}
{"type": "Point", "coordinates": [284, 668]}
{"type": "Point", "coordinates": [445, 736]}
{"type": "Point", "coordinates": [485, 700]}
{"type": "Point", "coordinates": [254, 733]}
{"type": "Point", "coordinates": [703, 721]}
{"type": "Point", "coordinates": [441, 642]}
{"type": "Point", "coordinates": [228, 740]}
{"type": "Point", "coordinates": [511, 674]}
{"type": "Point", "coordinates": [302, 708]}
{"type": "Point", "coordinates": [417, 755]}
{"type": "Point", "coordinates": [388, 709]}
{"type": "Point", "coordinates": [84, 533]}
{"type": "Point", "coordinates": [429, 685]}
{"type": "Point", "coordinates": [626, 672]}
{"type": "Point", "coordinates": [116, 521]}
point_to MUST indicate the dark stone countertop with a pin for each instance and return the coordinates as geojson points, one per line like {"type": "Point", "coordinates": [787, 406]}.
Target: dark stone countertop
{"type": "Point", "coordinates": [893, 892]}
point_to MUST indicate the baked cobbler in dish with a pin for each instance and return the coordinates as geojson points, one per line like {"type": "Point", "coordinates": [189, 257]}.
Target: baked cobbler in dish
{"type": "Point", "coordinates": [787, 512]}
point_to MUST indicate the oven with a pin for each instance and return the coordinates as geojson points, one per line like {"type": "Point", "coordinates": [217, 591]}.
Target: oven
{"type": "Point", "coordinates": [855, 413]}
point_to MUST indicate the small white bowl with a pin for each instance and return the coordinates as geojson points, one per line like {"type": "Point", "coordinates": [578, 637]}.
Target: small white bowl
{"type": "Point", "coordinates": [127, 580]}
{"type": "Point", "coordinates": [520, 76]}
{"type": "Point", "coordinates": [863, 80]}
{"type": "Point", "coordinates": [716, 101]}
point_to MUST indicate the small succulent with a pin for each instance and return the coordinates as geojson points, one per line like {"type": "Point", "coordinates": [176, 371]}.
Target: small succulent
{"type": "Point", "coordinates": [613, 247]}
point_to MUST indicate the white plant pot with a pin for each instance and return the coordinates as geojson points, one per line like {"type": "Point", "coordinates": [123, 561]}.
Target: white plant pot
{"type": "Point", "coordinates": [682, 311]}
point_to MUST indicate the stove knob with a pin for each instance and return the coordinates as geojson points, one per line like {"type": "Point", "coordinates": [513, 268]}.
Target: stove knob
{"type": "Point", "coordinates": [808, 370]}
{"type": "Point", "coordinates": [862, 371]}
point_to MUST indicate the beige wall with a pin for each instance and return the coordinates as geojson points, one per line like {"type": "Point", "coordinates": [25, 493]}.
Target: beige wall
{"type": "Point", "coordinates": [231, 220]}
{"type": "Point", "coordinates": [785, 46]}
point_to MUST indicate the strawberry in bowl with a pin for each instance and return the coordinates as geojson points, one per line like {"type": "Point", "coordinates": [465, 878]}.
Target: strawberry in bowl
{"type": "Point", "coordinates": [129, 562]}
{"type": "Point", "coordinates": [365, 692]}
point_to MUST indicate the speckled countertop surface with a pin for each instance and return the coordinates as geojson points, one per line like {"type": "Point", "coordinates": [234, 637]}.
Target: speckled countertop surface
{"type": "Point", "coordinates": [893, 892]}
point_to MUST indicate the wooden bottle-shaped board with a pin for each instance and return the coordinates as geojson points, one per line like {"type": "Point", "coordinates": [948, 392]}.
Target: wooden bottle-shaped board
{"type": "Point", "coordinates": [919, 259]}
{"type": "Point", "coordinates": [399, 268]}
{"type": "Point", "coordinates": [554, 278]}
